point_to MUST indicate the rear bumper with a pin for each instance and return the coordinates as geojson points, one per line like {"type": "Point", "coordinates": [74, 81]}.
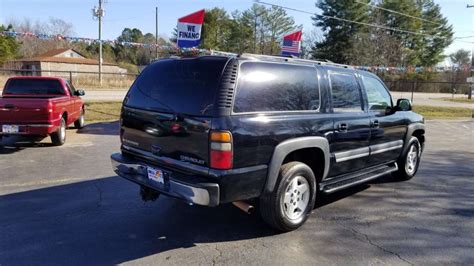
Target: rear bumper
{"type": "Point", "coordinates": [206, 194]}
{"type": "Point", "coordinates": [223, 186]}
{"type": "Point", "coordinates": [32, 129]}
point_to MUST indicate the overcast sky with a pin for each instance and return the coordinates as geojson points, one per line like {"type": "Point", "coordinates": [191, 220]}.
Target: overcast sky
{"type": "Point", "coordinates": [141, 14]}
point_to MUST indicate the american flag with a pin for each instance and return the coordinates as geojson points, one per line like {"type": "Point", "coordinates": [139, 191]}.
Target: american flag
{"type": "Point", "coordinates": [291, 46]}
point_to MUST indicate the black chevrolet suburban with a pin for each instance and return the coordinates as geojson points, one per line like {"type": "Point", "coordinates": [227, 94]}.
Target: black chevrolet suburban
{"type": "Point", "coordinates": [271, 131]}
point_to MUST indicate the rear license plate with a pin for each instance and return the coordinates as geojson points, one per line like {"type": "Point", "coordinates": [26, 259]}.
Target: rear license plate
{"type": "Point", "coordinates": [10, 129]}
{"type": "Point", "coordinates": [156, 175]}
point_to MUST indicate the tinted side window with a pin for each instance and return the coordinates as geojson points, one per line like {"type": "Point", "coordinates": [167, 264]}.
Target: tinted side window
{"type": "Point", "coordinates": [276, 87]}
{"type": "Point", "coordinates": [378, 97]}
{"type": "Point", "coordinates": [346, 95]}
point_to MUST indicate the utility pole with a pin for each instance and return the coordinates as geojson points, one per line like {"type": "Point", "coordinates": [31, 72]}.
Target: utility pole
{"type": "Point", "coordinates": [99, 13]}
{"type": "Point", "coordinates": [156, 32]}
{"type": "Point", "coordinates": [469, 94]}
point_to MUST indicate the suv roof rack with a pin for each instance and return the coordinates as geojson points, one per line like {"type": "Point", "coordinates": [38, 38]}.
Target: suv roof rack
{"type": "Point", "coordinates": [222, 53]}
{"type": "Point", "coordinates": [292, 59]}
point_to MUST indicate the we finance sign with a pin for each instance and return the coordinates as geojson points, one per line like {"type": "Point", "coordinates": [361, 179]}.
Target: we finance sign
{"type": "Point", "coordinates": [189, 29]}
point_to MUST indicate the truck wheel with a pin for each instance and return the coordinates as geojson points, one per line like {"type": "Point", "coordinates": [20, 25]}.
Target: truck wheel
{"type": "Point", "coordinates": [409, 162]}
{"type": "Point", "coordinates": [289, 205]}
{"type": "Point", "coordinates": [79, 123]}
{"type": "Point", "coordinates": [59, 137]}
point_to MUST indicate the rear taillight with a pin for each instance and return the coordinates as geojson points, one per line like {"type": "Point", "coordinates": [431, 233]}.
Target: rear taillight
{"type": "Point", "coordinates": [50, 107]}
{"type": "Point", "coordinates": [49, 110]}
{"type": "Point", "coordinates": [221, 150]}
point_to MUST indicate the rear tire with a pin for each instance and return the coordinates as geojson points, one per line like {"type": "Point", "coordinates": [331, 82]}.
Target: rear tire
{"type": "Point", "coordinates": [79, 123]}
{"type": "Point", "coordinates": [289, 205]}
{"type": "Point", "coordinates": [408, 163]}
{"type": "Point", "coordinates": [59, 137]}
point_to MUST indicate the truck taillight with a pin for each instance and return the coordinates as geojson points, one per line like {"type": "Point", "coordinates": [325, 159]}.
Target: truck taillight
{"type": "Point", "coordinates": [49, 108]}
{"type": "Point", "coordinates": [221, 150]}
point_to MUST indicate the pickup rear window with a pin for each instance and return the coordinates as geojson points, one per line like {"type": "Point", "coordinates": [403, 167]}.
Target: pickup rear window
{"type": "Point", "coordinates": [34, 86]}
{"type": "Point", "coordinates": [184, 86]}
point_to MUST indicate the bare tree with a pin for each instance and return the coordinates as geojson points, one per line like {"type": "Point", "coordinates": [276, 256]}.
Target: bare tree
{"type": "Point", "coordinates": [31, 46]}
{"type": "Point", "coordinates": [310, 39]}
{"type": "Point", "coordinates": [56, 26]}
{"type": "Point", "coordinates": [461, 58]}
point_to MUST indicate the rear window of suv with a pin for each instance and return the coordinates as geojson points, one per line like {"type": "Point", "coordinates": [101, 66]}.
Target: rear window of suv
{"type": "Point", "coordinates": [269, 87]}
{"type": "Point", "coordinates": [185, 86]}
{"type": "Point", "coordinates": [34, 86]}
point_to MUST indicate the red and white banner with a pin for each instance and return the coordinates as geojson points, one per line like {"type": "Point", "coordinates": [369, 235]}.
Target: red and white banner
{"type": "Point", "coordinates": [189, 29]}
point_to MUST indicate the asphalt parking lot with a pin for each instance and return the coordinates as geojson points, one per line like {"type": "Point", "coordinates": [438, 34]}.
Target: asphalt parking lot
{"type": "Point", "coordinates": [64, 205]}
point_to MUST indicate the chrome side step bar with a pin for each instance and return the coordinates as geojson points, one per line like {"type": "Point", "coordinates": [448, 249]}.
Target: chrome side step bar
{"type": "Point", "coordinates": [345, 181]}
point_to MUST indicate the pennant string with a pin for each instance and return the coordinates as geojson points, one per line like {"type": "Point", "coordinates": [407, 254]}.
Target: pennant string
{"type": "Point", "coordinates": [174, 48]}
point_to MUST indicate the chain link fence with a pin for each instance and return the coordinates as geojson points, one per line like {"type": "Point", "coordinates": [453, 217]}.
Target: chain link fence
{"type": "Point", "coordinates": [414, 89]}
{"type": "Point", "coordinates": [115, 85]}
{"type": "Point", "coordinates": [80, 79]}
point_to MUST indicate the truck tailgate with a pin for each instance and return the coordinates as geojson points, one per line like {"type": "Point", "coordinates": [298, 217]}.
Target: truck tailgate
{"type": "Point", "coordinates": [22, 110]}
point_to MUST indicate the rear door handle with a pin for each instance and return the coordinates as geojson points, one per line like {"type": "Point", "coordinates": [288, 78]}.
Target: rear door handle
{"type": "Point", "coordinates": [342, 127]}
{"type": "Point", "coordinates": [375, 123]}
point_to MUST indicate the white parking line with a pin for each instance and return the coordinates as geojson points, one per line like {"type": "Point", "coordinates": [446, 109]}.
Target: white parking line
{"type": "Point", "coordinates": [74, 145]}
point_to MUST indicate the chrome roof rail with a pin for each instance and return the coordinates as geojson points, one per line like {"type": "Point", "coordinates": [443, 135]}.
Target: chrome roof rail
{"type": "Point", "coordinates": [222, 53]}
{"type": "Point", "coordinates": [292, 59]}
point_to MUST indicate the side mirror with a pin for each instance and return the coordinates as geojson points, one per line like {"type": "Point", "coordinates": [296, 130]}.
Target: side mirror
{"type": "Point", "coordinates": [403, 105]}
{"type": "Point", "coordinates": [80, 93]}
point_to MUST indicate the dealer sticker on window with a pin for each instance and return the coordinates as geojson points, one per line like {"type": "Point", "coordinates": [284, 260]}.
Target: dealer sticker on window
{"type": "Point", "coordinates": [156, 175]}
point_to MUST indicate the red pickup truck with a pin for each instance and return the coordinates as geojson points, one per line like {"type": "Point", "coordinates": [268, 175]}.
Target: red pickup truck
{"type": "Point", "coordinates": [40, 106]}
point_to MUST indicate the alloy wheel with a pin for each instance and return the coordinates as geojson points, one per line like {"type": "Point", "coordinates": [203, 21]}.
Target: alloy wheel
{"type": "Point", "coordinates": [412, 160]}
{"type": "Point", "coordinates": [296, 198]}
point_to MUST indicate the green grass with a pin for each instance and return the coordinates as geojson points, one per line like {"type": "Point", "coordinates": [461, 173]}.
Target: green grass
{"type": "Point", "coordinates": [433, 112]}
{"type": "Point", "coordinates": [110, 111]}
{"type": "Point", "coordinates": [459, 100]}
{"type": "Point", "coordinates": [102, 111]}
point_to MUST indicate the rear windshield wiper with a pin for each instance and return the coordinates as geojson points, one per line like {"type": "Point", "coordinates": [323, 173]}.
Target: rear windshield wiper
{"type": "Point", "coordinates": [161, 117]}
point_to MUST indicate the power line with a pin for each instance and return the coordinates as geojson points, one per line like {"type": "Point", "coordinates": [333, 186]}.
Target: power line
{"type": "Point", "coordinates": [352, 21]}
{"type": "Point", "coordinates": [464, 37]}
{"type": "Point", "coordinates": [455, 40]}
{"type": "Point", "coordinates": [397, 12]}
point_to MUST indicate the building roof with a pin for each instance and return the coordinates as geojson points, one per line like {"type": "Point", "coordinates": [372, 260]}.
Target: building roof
{"type": "Point", "coordinates": [55, 52]}
{"type": "Point", "coordinates": [50, 56]}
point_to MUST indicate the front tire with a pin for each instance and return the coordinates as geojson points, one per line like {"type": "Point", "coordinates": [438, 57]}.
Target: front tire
{"type": "Point", "coordinates": [409, 162]}
{"type": "Point", "coordinates": [289, 205]}
{"type": "Point", "coordinates": [59, 137]}
{"type": "Point", "coordinates": [79, 123]}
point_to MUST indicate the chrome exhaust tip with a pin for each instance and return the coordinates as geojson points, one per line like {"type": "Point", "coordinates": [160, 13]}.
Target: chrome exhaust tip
{"type": "Point", "coordinates": [244, 206]}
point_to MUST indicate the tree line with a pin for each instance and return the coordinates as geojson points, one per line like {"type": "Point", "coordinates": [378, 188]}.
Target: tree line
{"type": "Point", "coordinates": [416, 34]}
{"type": "Point", "coordinates": [260, 29]}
